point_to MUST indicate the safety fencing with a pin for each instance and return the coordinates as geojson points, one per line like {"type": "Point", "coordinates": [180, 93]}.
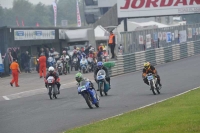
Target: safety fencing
{"type": "Point", "coordinates": [134, 62]}
{"type": "Point", "coordinates": [141, 40]}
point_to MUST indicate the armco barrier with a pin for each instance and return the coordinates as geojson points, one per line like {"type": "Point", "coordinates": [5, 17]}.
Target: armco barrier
{"type": "Point", "coordinates": [133, 62]}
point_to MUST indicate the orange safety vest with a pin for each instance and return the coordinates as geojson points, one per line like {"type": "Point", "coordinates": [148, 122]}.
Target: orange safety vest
{"type": "Point", "coordinates": [111, 39]}
{"type": "Point", "coordinates": [14, 66]}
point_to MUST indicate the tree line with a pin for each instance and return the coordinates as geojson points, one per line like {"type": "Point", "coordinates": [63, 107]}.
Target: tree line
{"type": "Point", "coordinates": [31, 14]}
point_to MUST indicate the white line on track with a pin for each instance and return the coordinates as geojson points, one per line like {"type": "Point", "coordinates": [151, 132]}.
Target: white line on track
{"type": "Point", "coordinates": [6, 98]}
{"type": "Point", "coordinates": [35, 92]}
{"type": "Point", "coordinates": [143, 106]}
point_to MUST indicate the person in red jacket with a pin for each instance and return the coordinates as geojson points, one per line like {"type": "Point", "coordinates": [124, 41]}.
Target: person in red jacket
{"type": "Point", "coordinates": [15, 72]}
{"type": "Point", "coordinates": [42, 67]}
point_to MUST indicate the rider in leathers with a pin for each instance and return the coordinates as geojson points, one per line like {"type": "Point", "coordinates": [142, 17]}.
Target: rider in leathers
{"type": "Point", "coordinates": [148, 68]}
{"type": "Point", "coordinates": [99, 67]}
{"type": "Point", "coordinates": [66, 58]}
{"type": "Point", "coordinates": [55, 75]}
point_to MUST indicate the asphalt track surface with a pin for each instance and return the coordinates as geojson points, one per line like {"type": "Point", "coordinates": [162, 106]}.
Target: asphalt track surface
{"type": "Point", "coordinates": [38, 114]}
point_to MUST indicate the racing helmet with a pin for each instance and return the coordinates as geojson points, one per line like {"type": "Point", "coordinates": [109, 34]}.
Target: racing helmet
{"type": "Point", "coordinates": [146, 65]}
{"type": "Point", "coordinates": [64, 52]}
{"type": "Point", "coordinates": [67, 57]}
{"type": "Point", "coordinates": [78, 77]}
{"type": "Point", "coordinates": [99, 64]}
{"type": "Point", "coordinates": [51, 69]}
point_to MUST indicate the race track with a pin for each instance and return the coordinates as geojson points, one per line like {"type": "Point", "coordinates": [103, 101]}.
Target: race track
{"type": "Point", "coordinates": [38, 114]}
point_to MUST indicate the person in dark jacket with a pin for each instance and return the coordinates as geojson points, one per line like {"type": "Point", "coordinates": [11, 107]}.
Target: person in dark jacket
{"type": "Point", "coordinates": [27, 58]}
{"type": "Point", "coordinates": [99, 67]}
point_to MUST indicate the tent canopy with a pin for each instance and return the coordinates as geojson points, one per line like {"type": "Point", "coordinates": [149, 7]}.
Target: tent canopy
{"type": "Point", "coordinates": [101, 33]}
{"type": "Point", "coordinates": [75, 35]}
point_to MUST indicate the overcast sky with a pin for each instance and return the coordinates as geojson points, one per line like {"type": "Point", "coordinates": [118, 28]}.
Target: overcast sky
{"type": "Point", "coordinates": [8, 3]}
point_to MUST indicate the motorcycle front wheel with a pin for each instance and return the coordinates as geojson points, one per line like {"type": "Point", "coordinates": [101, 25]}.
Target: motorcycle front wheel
{"type": "Point", "coordinates": [152, 87]}
{"type": "Point", "coordinates": [101, 88]}
{"type": "Point", "coordinates": [88, 101]}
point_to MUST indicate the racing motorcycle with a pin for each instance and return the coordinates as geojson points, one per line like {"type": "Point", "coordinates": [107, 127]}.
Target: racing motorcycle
{"type": "Point", "coordinates": [59, 67]}
{"type": "Point", "coordinates": [153, 83]}
{"type": "Point", "coordinates": [84, 65]}
{"type": "Point", "coordinates": [52, 87]}
{"type": "Point", "coordinates": [88, 93]}
{"type": "Point", "coordinates": [90, 64]}
{"type": "Point", "coordinates": [103, 85]}
{"type": "Point", "coordinates": [74, 64]}
{"type": "Point", "coordinates": [66, 65]}
{"type": "Point", "coordinates": [51, 62]}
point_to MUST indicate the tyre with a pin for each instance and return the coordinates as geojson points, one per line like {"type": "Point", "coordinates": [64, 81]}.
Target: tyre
{"type": "Point", "coordinates": [97, 104]}
{"type": "Point", "coordinates": [106, 93]}
{"type": "Point", "coordinates": [101, 88]}
{"type": "Point", "coordinates": [152, 87]}
{"type": "Point", "coordinates": [50, 89]}
{"type": "Point", "coordinates": [157, 88]}
{"type": "Point", "coordinates": [54, 95]}
{"type": "Point", "coordinates": [88, 101]}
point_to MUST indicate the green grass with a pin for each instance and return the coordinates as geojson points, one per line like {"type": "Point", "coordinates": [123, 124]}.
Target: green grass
{"type": "Point", "coordinates": [177, 115]}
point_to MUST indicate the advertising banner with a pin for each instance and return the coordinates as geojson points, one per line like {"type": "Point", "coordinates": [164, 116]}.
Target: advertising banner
{"type": "Point", "coordinates": [34, 34]}
{"type": "Point", "coordinates": [169, 37]}
{"type": "Point", "coordinates": [55, 12]}
{"type": "Point", "coordinates": [160, 36]}
{"type": "Point", "coordinates": [176, 33]}
{"type": "Point", "coordinates": [78, 15]}
{"type": "Point", "coordinates": [183, 36]}
{"type": "Point", "coordinates": [148, 40]}
{"type": "Point", "coordinates": [141, 39]}
{"type": "Point", "coordinates": [189, 32]}
{"type": "Point", "coordinates": [145, 8]}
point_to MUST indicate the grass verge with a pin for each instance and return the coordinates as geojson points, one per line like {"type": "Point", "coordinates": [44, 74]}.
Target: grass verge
{"type": "Point", "coordinates": [177, 115]}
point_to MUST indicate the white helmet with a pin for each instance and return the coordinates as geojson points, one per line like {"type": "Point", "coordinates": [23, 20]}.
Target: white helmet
{"type": "Point", "coordinates": [67, 57]}
{"type": "Point", "coordinates": [51, 69]}
{"type": "Point", "coordinates": [91, 49]}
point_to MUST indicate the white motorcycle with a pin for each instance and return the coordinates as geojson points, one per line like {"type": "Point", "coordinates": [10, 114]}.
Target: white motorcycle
{"type": "Point", "coordinates": [84, 65]}
{"type": "Point", "coordinates": [153, 83]}
{"type": "Point", "coordinates": [103, 85]}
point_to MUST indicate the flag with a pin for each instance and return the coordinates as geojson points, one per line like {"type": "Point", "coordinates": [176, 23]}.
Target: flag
{"type": "Point", "coordinates": [37, 24]}
{"type": "Point", "coordinates": [23, 23]}
{"type": "Point", "coordinates": [55, 12]}
{"type": "Point", "coordinates": [78, 15]}
{"type": "Point", "coordinates": [17, 22]}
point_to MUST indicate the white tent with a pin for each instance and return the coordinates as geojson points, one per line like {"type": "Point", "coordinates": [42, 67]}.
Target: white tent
{"type": "Point", "coordinates": [101, 33]}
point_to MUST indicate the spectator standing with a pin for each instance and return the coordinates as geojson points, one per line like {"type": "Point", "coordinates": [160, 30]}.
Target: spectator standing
{"type": "Point", "coordinates": [111, 43]}
{"type": "Point", "coordinates": [42, 65]}
{"type": "Point", "coordinates": [15, 72]}
{"type": "Point", "coordinates": [10, 58]}
{"type": "Point", "coordinates": [27, 62]}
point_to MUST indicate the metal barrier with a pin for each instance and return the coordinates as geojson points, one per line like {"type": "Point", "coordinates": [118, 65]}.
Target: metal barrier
{"type": "Point", "coordinates": [134, 62]}
{"type": "Point", "coordinates": [142, 40]}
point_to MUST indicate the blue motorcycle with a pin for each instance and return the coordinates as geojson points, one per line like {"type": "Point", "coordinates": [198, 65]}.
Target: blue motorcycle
{"type": "Point", "coordinates": [103, 85]}
{"type": "Point", "coordinates": [88, 93]}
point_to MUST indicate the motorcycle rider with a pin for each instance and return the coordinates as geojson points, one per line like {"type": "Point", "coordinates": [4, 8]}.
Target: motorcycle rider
{"type": "Point", "coordinates": [59, 63]}
{"type": "Point", "coordinates": [65, 58]}
{"type": "Point", "coordinates": [84, 62]}
{"type": "Point", "coordinates": [99, 67]}
{"type": "Point", "coordinates": [51, 72]}
{"type": "Point", "coordinates": [100, 54]}
{"type": "Point", "coordinates": [79, 78]}
{"type": "Point", "coordinates": [148, 68]}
